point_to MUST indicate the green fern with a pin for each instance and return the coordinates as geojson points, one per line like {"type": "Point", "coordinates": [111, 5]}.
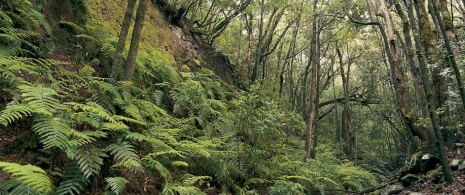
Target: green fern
{"type": "Point", "coordinates": [117, 184]}
{"type": "Point", "coordinates": [89, 159]}
{"type": "Point", "coordinates": [54, 131]}
{"type": "Point", "coordinates": [41, 99]}
{"type": "Point", "coordinates": [29, 177]}
{"type": "Point", "coordinates": [73, 182]}
{"type": "Point", "coordinates": [125, 156]}
{"type": "Point", "coordinates": [14, 112]}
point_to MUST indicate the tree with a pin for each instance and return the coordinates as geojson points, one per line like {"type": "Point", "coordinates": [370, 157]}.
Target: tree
{"type": "Point", "coordinates": [130, 66]}
{"type": "Point", "coordinates": [122, 40]}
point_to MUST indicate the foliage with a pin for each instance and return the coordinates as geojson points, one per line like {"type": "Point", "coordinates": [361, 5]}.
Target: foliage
{"type": "Point", "coordinates": [186, 132]}
{"type": "Point", "coordinates": [25, 179]}
{"type": "Point", "coordinates": [19, 21]}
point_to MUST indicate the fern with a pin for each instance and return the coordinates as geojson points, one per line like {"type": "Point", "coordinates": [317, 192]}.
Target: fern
{"type": "Point", "coordinates": [54, 131]}
{"type": "Point", "coordinates": [125, 155]}
{"type": "Point", "coordinates": [117, 184]}
{"type": "Point", "coordinates": [41, 99]}
{"type": "Point", "coordinates": [89, 160]}
{"type": "Point", "coordinates": [33, 178]}
{"type": "Point", "coordinates": [285, 187]}
{"type": "Point", "coordinates": [158, 166]}
{"type": "Point", "coordinates": [73, 182]}
{"type": "Point", "coordinates": [14, 112]}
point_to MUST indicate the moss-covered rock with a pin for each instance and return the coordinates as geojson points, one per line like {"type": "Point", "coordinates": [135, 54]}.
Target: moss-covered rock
{"type": "Point", "coordinates": [409, 179]}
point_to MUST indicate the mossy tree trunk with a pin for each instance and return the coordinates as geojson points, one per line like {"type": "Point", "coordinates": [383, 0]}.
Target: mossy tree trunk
{"type": "Point", "coordinates": [450, 53]}
{"type": "Point", "coordinates": [418, 83]}
{"type": "Point", "coordinates": [136, 35]}
{"type": "Point", "coordinates": [122, 40]}
{"type": "Point", "coordinates": [429, 96]}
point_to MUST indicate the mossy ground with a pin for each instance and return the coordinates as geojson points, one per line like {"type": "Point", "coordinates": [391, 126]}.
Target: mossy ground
{"type": "Point", "coordinates": [156, 34]}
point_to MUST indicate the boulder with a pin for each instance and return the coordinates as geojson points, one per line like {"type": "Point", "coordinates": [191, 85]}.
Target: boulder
{"type": "Point", "coordinates": [454, 165]}
{"type": "Point", "coordinates": [395, 189]}
{"type": "Point", "coordinates": [408, 180]}
{"type": "Point", "coordinates": [428, 163]}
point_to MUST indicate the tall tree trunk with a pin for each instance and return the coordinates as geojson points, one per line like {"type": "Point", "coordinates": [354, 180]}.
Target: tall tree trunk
{"type": "Point", "coordinates": [347, 131]}
{"type": "Point", "coordinates": [450, 54]}
{"type": "Point", "coordinates": [447, 20]}
{"type": "Point", "coordinates": [136, 35]}
{"type": "Point", "coordinates": [428, 41]}
{"type": "Point", "coordinates": [317, 98]}
{"type": "Point", "coordinates": [313, 86]}
{"type": "Point", "coordinates": [398, 75]}
{"type": "Point", "coordinates": [415, 73]}
{"type": "Point", "coordinates": [122, 40]}
{"type": "Point", "coordinates": [259, 45]}
{"type": "Point", "coordinates": [429, 96]}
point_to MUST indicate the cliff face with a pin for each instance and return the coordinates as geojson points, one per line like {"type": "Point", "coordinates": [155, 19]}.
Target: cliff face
{"type": "Point", "coordinates": [176, 44]}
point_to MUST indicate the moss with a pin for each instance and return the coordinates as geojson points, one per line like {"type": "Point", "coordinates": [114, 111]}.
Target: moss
{"type": "Point", "coordinates": [432, 173]}
{"type": "Point", "coordinates": [108, 15]}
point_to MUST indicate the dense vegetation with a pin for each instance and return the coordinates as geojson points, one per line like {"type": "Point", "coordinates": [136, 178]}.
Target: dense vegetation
{"type": "Point", "coordinates": [325, 97]}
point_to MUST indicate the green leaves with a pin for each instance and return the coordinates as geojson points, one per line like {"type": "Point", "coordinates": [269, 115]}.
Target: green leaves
{"type": "Point", "coordinates": [28, 177]}
{"type": "Point", "coordinates": [117, 184]}
{"type": "Point", "coordinates": [125, 155]}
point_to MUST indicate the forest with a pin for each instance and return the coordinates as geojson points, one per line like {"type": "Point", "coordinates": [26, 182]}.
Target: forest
{"type": "Point", "coordinates": [279, 97]}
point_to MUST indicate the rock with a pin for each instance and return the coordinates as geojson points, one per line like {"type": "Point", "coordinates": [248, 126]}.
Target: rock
{"type": "Point", "coordinates": [395, 189]}
{"type": "Point", "coordinates": [460, 145]}
{"type": "Point", "coordinates": [462, 166]}
{"type": "Point", "coordinates": [428, 163]}
{"type": "Point", "coordinates": [415, 193]}
{"type": "Point", "coordinates": [454, 165]}
{"type": "Point", "coordinates": [408, 180]}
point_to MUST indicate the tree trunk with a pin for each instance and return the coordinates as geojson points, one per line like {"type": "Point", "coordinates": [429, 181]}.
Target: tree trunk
{"type": "Point", "coordinates": [347, 131]}
{"type": "Point", "coordinates": [429, 96]}
{"type": "Point", "coordinates": [122, 40]}
{"type": "Point", "coordinates": [447, 20]}
{"type": "Point", "coordinates": [450, 54]}
{"type": "Point", "coordinates": [136, 35]}
{"type": "Point", "coordinates": [398, 75]}
{"type": "Point", "coordinates": [259, 45]}
{"type": "Point", "coordinates": [415, 73]}
{"type": "Point", "coordinates": [317, 98]}
{"type": "Point", "coordinates": [313, 86]}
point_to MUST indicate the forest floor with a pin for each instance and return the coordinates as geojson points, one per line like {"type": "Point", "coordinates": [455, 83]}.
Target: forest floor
{"type": "Point", "coordinates": [434, 185]}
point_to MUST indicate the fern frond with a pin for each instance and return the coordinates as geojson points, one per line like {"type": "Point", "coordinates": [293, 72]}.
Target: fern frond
{"type": "Point", "coordinates": [73, 182]}
{"type": "Point", "coordinates": [190, 180]}
{"type": "Point", "coordinates": [40, 98]}
{"type": "Point", "coordinates": [117, 184]}
{"type": "Point", "coordinates": [158, 166]}
{"type": "Point", "coordinates": [88, 159]}
{"type": "Point", "coordinates": [33, 177]}
{"type": "Point", "coordinates": [13, 112]}
{"type": "Point", "coordinates": [180, 164]}
{"type": "Point", "coordinates": [92, 110]}
{"type": "Point", "coordinates": [129, 120]}
{"type": "Point", "coordinates": [54, 131]}
{"type": "Point", "coordinates": [176, 188]}
{"type": "Point", "coordinates": [85, 137]}
{"type": "Point", "coordinates": [136, 136]}
{"type": "Point", "coordinates": [125, 155]}
{"type": "Point", "coordinates": [119, 127]}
